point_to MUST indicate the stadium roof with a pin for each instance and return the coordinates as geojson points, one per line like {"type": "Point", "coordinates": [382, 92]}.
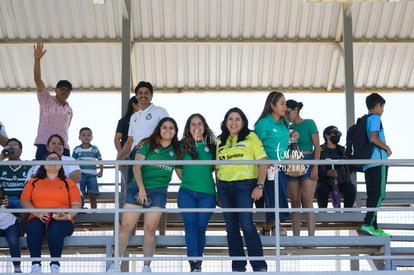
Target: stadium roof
{"type": "Point", "coordinates": [209, 45]}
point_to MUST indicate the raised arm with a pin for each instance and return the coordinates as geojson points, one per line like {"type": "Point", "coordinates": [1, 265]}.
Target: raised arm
{"type": "Point", "coordinates": [38, 53]}
{"type": "Point", "coordinates": [3, 140]}
{"type": "Point", "coordinates": [3, 135]}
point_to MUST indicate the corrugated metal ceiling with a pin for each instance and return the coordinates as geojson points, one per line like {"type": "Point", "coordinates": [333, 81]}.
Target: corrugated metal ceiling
{"type": "Point", "coordinates": [197, 45]}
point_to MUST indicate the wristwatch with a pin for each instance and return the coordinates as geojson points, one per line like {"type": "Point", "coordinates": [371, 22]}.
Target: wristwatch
{"type": "Point", "coordinates": [260, 185]}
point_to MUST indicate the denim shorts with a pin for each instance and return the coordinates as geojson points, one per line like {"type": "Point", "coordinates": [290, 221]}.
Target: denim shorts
{"type": "Point", "coordinates": [308, 172]}
{"type": "Point", "coordinates": [158, 196]}
{"type": "Point", "coordinates": [89, 184]}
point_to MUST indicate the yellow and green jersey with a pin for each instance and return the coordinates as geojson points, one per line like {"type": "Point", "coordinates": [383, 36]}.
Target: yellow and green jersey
{"type": "Point", "coordinates": [249, 149]}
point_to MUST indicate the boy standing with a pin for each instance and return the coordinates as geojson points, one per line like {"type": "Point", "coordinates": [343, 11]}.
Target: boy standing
{"type": "Point", "coordinates": [87, 151]}
{"type": "Point", "coordinates": [375, 174]}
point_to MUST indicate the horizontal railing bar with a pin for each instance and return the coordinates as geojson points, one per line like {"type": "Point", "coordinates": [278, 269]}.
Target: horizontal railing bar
{"type": "Point", "coordinates": [391, 162]}
{"type": "Point", "coordinates": [214, 210]}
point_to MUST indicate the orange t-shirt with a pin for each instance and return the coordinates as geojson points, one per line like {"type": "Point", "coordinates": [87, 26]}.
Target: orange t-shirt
{"type": "Point", "coordinates": [48, 193]}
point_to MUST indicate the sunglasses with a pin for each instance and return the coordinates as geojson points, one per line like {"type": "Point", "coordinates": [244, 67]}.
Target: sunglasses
{"type": "Point", "coordinates": [335, 133]}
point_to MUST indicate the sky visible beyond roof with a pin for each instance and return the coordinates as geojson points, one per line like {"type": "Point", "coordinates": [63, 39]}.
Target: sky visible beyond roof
{"type": "Point", "coordinates": [101, 111]}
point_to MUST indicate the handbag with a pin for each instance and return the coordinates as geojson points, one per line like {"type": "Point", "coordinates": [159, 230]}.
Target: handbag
{"type": "Point", "coordinates": [295, 170]}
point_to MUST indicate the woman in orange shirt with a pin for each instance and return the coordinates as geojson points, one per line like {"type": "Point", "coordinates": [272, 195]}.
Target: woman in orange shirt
{"type": "Point", "coordinates": [49, 188]}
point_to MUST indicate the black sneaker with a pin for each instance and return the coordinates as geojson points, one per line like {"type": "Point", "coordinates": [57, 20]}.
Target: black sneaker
{"type": "Point", "coordinates": [195, 266]}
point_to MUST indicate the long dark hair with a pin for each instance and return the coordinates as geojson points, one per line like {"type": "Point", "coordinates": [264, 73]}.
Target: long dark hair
{"type": "Point", "coordinates": [130, 108]}
{"type": "Point", "coordinates": [272, 98]}
{"type": "Point", "coordinates": [42, 173]}
{"type": "Point", "coordinates": [155, 138]}
{"type": "Point", "coordinates": [189, 144]}
{"type": "Point", "coordinates": [244, 132]}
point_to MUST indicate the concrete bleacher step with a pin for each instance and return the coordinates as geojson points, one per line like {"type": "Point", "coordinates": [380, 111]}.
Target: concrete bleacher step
{"type": "Point", "coordinates": [405, 238]}
{"type": "Point", "coordinates": [397, 226]}
{"type": "Point", "coordinates": [402, 251]}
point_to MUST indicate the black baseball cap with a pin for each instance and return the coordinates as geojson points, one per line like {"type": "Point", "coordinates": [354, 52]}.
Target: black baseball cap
{"type": "Point", "coordinates": [64, 83]}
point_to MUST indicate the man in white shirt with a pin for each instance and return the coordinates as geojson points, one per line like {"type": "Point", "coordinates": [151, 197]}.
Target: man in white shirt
{"type": "Point", "coordinates": [142, 122]}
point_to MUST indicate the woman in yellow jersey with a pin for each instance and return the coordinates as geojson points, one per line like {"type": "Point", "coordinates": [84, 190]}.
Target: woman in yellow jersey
{"type": "Point", "coordinates": [240, 185]}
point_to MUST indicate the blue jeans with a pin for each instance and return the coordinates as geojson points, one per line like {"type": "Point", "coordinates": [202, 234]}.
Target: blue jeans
{"type": "Point", "coordinates": [55, 235]}
{"type": "Point", "coordinates": [269, 194]}
{"type": "Point", "coordinates": [195, 224]}
{"type": "Point", "coordinates": [237, 194]}
{"type": "Point", "coordinates": [14, 202]}
{"type": "Point", "coordinates": [12, 234]}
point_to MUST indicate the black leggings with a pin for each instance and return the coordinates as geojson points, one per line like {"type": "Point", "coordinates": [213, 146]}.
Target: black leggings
{"type": "Point", "coordinates": [375, 180]}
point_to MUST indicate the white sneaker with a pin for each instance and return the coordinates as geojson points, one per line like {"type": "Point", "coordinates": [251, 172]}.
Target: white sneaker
{"type": "Point", "coordinates": [146, 268]}
{"type": "Point", "coordinates": [36, 268]}
{"type": "Point", "coordinates": [113, 268]}
{"type": "Point", "coordinates": [54, 268]}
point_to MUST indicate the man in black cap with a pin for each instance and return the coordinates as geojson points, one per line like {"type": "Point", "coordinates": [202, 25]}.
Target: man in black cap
{"type": "Point", "coordinates": [55, 113]}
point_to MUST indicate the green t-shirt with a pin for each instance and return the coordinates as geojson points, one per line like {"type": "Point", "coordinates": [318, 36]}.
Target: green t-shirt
{"type": "Point", "coordinates": [156, 176]}
{"type": "Point", "coordinates": [13, 180]}
{"type": "Point", "coordinates": [199, 178]}
{"type": "Point", "coordinates": [274, 136]}
{"type": "Point", "coordinates": [305, 129]}
{"type": "Point", "coordinates": [249, 149]}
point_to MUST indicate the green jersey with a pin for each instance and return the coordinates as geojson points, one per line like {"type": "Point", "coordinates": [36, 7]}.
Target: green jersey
{"type": "Point", "coordinates": [199, 178]}
{"type": "Point", "coordinates": [12, 179]}
{"type": "Point", "coordinates": [156, 176]}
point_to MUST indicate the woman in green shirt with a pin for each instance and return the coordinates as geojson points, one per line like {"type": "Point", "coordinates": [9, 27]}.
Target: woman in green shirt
{"type": "Point", "coordinates": [273, 130]}
{"type": "Point", "coordinates": [148, 187]}
{"type": "Point", "coordinates": [302, 189]}
{"type": "Point", "coordinates": [197, 188]}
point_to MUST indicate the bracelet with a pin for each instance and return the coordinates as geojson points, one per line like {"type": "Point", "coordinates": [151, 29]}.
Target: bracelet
{"type": "Point", "coordinates": [69, 217]}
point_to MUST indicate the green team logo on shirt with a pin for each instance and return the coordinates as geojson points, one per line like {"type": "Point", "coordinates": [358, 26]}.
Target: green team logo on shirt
{"type": "Point", "coordinates": [163, 167]}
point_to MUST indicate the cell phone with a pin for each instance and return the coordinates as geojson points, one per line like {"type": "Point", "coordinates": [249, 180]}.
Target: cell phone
{"type": "Point", "coordinates": [147, 202]}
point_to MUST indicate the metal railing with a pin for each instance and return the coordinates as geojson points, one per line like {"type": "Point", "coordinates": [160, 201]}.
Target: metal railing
{"type": "Point", "coordinates": [277, 258]}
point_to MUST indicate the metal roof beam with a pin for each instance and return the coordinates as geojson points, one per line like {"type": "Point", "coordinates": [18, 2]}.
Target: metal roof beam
{"type": "Point", "coordinates": [348, 67]}
{"type": "Point", "coordinates": [126, 56]}
{"type": "Point", "coordinates": [200, 41]}
{"type": "Point", "coordinates": [222, 90]}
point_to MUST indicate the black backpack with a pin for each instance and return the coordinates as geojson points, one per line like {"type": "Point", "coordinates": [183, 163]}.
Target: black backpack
{"type": "Point", "coordinates": [358, 145]}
